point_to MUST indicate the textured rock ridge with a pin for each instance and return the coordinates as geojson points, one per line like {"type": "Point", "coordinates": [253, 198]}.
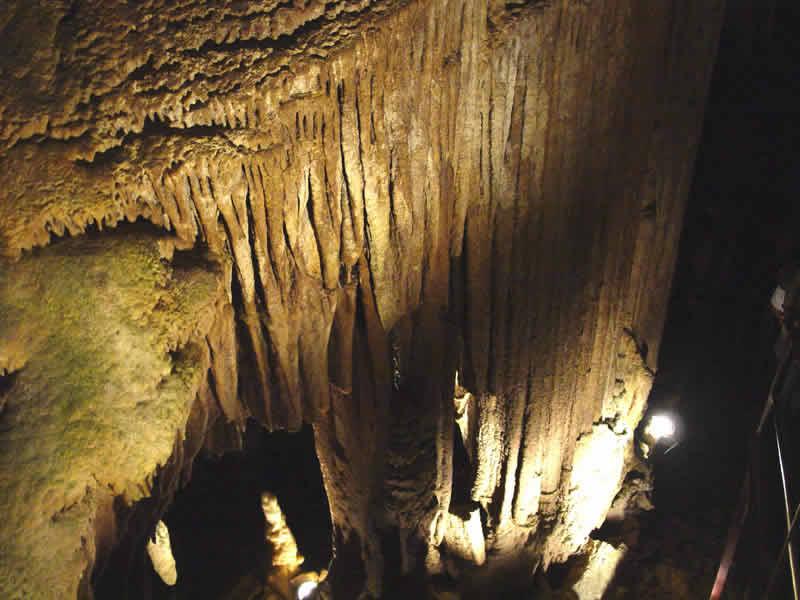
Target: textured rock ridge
{"type": "Point", "coordinates": [108, 341]}
{"type": "Point", "coordinates": [391, 192]}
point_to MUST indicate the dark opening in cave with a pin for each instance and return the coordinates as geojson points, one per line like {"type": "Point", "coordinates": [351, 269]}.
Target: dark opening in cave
{"type": "Point", "coordinates": [216, 524]}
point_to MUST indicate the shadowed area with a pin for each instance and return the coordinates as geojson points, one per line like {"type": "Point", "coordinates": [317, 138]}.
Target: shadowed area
{"type": "Point", "coordinates": [216, 524]}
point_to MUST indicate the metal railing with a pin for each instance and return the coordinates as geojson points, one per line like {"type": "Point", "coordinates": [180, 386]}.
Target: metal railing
{"type": "Point", "coordinates": [741, 514]}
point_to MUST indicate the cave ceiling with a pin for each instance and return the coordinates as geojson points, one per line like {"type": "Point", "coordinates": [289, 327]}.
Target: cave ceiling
{"type": "Point", "coordinates": [326, 213]}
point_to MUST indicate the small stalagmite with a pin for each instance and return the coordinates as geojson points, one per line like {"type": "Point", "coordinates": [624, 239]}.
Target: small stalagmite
{"type": "Point", "coordinates": [285, 556]}
{"type": "Point", "coordinates": [160, 552]}
{"type": "Point", "coordinates": [286, 559]}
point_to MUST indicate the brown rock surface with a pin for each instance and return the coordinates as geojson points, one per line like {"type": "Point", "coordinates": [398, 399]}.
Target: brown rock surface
{"type": "Point", "coordinates": [105, 345]}
{"type": "Point", "coordinates": [395, 191]}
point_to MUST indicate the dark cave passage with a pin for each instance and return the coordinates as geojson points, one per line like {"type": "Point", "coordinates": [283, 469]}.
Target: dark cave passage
{"type": "Point", "coordinates": [216, 524]}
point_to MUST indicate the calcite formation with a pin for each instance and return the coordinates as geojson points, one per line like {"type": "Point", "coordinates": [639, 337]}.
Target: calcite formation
{"type": "Point", "coordinates": [106, 343]}
{"type": "Point", "coordinates": [593, 578]}
{"type": "Point", "coordinates": [319, 212]}
{"type": "Point", "coordinates": [284, 554]}
{"type": "Point", "coordinates": [159, 550]}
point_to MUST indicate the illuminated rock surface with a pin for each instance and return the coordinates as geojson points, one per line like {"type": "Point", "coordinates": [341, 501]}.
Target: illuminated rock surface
{"type": "Point", "coordinates": [369, 196]}
{"type": "Point", "coordinates": [160, 552]}
{"type": "Point", "coordinates": [108, 344]}
{"type": "Point", "coordinates": [278, 535]}
{"type": "Point", "coordinates": [602, 560]}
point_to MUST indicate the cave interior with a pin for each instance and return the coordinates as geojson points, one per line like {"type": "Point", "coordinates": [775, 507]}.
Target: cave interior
{"type": "Point", "coordinates": [423, 271]}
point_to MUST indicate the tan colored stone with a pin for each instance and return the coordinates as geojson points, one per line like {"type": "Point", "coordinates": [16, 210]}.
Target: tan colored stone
{"type": "Point", "coordinates": [107, 342]}
{"type": "Point", "coordinates": [395, 191]}
{"type": "Point", "coordinates": [284, 554]}
{"type": "Point", "coordinates": [602, 560]}
{"type": "Point", "coordinates": [159, 550]}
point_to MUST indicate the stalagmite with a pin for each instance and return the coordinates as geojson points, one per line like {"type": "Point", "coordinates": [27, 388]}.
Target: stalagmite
{"type": "Point", "coordinates": [284, 556]}
{"type": "Point", "coordinates": [160, 552]}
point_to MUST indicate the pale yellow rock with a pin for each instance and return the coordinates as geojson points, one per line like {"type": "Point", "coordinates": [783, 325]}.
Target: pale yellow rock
{"type": "Point", "coordinates": [108, 342]}
{"type": "Point", "coordinates": [160, 553]}
{"type": "Point", "coordinates": [464, 538]}
{"type": "Point", "coordinates": [603, 560]}
{"type": "Point", "coordinates": [597, 473]}
{"type": "Point", "coordinates": [285, 555]}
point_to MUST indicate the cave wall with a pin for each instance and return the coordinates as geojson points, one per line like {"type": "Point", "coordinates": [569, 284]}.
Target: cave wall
{"type": "Point", "coordinates": [403, 191]}
{"type": "Point", "coordinates": [105, 346]}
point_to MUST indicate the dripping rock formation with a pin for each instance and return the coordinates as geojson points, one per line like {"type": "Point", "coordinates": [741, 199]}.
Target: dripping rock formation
{"type": "Point", "coordinates": [442, 232]}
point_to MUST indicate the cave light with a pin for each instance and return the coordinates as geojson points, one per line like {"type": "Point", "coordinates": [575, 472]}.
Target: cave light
{"type": "Point", "coordinates": [661, 426]}
{"type": "Point", "coordinates": [306, 589]}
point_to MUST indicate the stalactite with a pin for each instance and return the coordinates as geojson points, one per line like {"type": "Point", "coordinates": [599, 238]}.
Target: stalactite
{"type": "Point", "coordinates": [393, 191]}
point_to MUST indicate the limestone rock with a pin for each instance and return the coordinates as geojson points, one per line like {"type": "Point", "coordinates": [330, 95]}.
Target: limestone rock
{"type": "Point", "coordinates": [285, 556]}
{"type": "Point", "coordinates": [601, 561]}
{"type": "Point", "coordinates": [105, 339]}
{"type": "Point", "coordinates": [160, 552]}
{"type": "Point", "coordinates": [383, 193]}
